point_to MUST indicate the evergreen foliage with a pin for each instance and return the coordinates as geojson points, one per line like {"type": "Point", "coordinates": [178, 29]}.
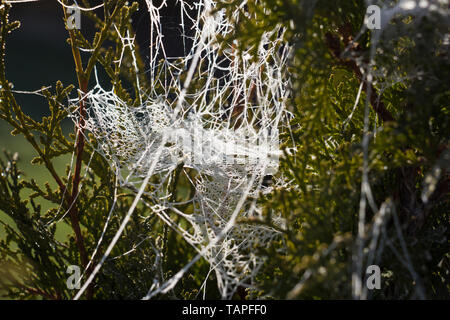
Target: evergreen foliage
{"type": "Point", "coordinates": [384, 155]}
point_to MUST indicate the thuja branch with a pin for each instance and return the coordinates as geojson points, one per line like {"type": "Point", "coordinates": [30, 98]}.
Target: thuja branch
{"type": "Point", "coordinates": [101, 37]}
{"type": "Point", "coordinates": [73, 209]}
{"type": "Point", "coordinates": [41, 293]}
{"type": "Point", "coordinates": [9, 100]}
{"type": "Point", "coordinates": [334, 45]}
{"type": "Point", "coordinates": [83, 76]}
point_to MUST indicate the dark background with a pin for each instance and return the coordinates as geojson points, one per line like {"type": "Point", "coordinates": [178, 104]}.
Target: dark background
{"type": "Point", "coordinates": [38, 54]}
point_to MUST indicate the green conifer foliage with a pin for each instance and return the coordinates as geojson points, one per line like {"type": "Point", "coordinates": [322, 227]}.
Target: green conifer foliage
{"type": "Point", "coordinates": [407, 132]}
{"type": "Point", "coordinates": [369, 137]}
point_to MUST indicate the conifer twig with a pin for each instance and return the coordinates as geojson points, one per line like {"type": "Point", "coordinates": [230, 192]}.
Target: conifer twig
{"type": "Point", "coordinates": [73, 211]}
{"type": "Point", "coordinates": [334, 45]}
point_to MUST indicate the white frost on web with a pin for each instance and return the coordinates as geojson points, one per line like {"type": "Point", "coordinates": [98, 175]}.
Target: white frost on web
{"type": "Point", "coordinates": [217, 112]}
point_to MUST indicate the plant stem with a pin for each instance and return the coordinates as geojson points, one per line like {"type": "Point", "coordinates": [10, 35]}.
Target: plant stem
{"type": "Point", "coordinates": [333, 43]}
{"type": "Point", "coordinates": [73, 211]}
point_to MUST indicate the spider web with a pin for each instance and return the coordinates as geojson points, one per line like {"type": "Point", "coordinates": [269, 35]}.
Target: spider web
{"type": "Point", "coordinates": [216, 111]}
{"type": "Point", "coordinates": [219, 112]}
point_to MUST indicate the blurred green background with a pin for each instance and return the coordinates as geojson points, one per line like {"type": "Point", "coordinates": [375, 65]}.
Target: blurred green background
{"type": "Point", "coordinates": [37, 55]}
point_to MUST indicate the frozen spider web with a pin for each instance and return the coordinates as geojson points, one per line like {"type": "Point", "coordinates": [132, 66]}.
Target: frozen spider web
{"type": "Point", "coordinates": [216, 112]}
